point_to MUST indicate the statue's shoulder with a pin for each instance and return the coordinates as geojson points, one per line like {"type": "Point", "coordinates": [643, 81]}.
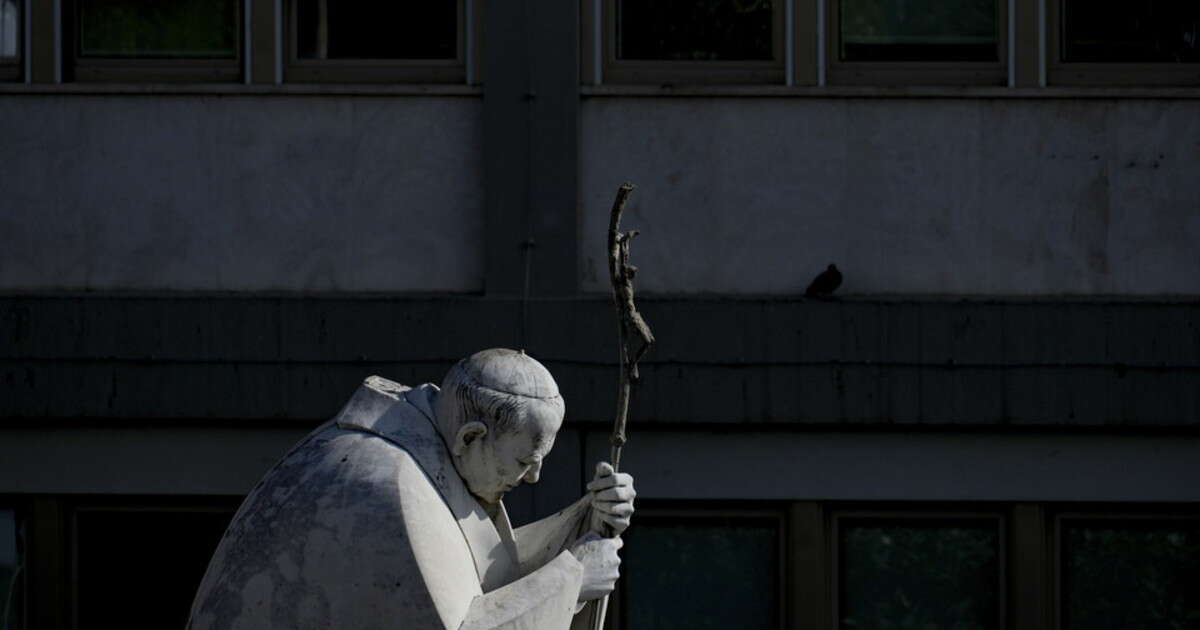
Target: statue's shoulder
{"type": "Point", "coordinates": [400, 414]}
{"type": "Point", "coordinates": [374, 399]}
{"type": "Point", "coordinates": [383, 386]}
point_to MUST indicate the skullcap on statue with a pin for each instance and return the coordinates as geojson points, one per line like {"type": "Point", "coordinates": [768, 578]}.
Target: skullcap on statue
{"type": "Point", "coordinates": [493, 387]}
{"type": "Point", "coordinates": [510, 372]}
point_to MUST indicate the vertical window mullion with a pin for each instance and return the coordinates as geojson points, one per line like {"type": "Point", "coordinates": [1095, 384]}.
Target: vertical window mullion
{"type": "Point", "coordinates": [823, 39]}
{"type": "Point", "coordinates": [261, 43]}
{"type": "Point", "coordinates": [43, 32]}
{"type": "Point", "coordinates": [805, 26]}
{"type": "Point", "coordinates": [1044, 48]}
{"type": "Point", "coordinates": [1029, 579]}
{"type": "Point", "coordinates": [789, 39]}
{"type": "Point", "coordinates": [48, 577]}
{"type": "Point", "coordinates": [246, 50]}
{"type": "Point", "coordinates": [26, 35]}
{"type": "Point", "coordinates": [808, 598]}
{"type": "Point", "coordinates": [1026, 42]}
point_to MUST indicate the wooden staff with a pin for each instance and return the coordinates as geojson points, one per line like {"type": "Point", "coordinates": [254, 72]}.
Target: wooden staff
{"type": "Point", "coordinates": [630, 325]}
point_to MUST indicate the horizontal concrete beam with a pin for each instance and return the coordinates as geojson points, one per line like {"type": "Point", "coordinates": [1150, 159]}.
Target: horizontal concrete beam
{"type": "Point", "coordinates": [898, 466]}
{"type": "Point", "coordinates": [669, 464]}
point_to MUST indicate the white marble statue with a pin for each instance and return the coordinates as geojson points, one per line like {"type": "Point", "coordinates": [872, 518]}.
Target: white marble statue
{"type": "Point", "coordinates": [391, 516]}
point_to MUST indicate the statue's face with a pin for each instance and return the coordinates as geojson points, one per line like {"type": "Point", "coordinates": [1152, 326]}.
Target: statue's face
{"type": "Point", "coordinates": [498, 461]}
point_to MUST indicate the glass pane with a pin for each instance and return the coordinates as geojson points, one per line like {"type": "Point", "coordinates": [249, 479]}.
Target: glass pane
{"type": "Point", "coordinates": [701, 573]}
{"type": "Point", "coordinates": [919, 575]}
{"type": "Point", "coordinates": [345, 29]}
{"type": "Point", "coordinates": [152, 28]}
{"type": "Point", "coordinates": [722, 30]}
{"type": "Point", "coordinates": [919, 30]}
{"type": "Point", "coordinates": [1131, 576]}
{"type": "Point", "coordinates": [10, 28]}
{"type": "Point", "coordinates": [10, 572]}
{"type": "Point", "coordinates": [1139, 32]}
{"type": "Point", "coordinates": [159, 555]}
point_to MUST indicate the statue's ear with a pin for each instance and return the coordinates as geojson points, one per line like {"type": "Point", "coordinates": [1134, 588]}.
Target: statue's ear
{"type": "Point", "coordinates": [468, 433]}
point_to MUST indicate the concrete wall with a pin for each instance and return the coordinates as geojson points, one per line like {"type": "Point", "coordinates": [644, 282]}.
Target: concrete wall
{"type": "Point", "coordinates": [949, 196]}
{"type": "Point", "coordinates": [240, 193]}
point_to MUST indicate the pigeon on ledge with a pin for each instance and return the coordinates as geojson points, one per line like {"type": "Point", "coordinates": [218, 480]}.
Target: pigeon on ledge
{"type": "Point", "coordinates": [825, 283]}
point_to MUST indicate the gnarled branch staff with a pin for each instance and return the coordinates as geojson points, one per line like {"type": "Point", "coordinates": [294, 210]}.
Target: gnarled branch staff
{"type": "Point", "coordinates": [630, 327]}
{"type": "Point", "coordinates": [630, 324]}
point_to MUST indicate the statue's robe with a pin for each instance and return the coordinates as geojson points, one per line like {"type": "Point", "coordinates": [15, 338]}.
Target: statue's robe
{"type": "Point", "coordinates": [366, 524]}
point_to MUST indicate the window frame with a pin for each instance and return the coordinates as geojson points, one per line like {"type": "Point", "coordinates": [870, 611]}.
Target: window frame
{"type": "Point", "coordinates": [665, 72]}
{"type": "Point", "coordinates": [1115, 74]}
{"type": "Point", "coordinates": [1119, 514]}
{"type": "Point", "coordinates": [297, 70]}
{"type": "Point", "coordinates": [914, 514]}
{"type": "Point", "coordinates": [21, 525]}
{"type": "Point", "coordinates": [81, 69]}
{"type": "Point", "coordinates": [915, 73]}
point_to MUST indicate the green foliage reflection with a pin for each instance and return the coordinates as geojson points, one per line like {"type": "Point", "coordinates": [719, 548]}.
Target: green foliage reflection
{"type": "Point", "coordinates": [919, 30]}
{"type": "Point", "coordinates": [921, 577]}
{"type": "Point", "coordinates": [1131, 577]}
{"type": "Point", "coordinates": [701, 573]}
{"type": "Point", "coordinates": [682, 30]}
{"type": "Point", "coordinates": [150, 28]}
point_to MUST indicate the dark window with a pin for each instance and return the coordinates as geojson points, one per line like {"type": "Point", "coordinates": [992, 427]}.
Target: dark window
{"type": "Point", "coordinates": [1148, 31]}
{"type": "Point", "coordinates": [11, 26]}
{"type": "Point", "coordinates": [139, 29]}
{"type": "Point", "coordinates": [919, 573]}
{"type": "Point", "coordinates": [919, 30]}
{"type": "Point", "coordinates": [10, 29]}
{"type": "Point", "coordinates": [11, 571]}
{"type": "Point", "coordinates": [337, 29]}
{"type": "Point", "coordinates": [695, 30]}
{"type": "Point", "coordinates": [154, 557]}
{"type": "Point", "coordinates": [1130, 575]}
{"type": "Point", "coordinates": [694, 572]}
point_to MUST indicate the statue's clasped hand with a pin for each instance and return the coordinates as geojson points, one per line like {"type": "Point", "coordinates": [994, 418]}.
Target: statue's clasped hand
{"type": "Point", "coordinates": [612, 500]}
{"type": "Point", "coordinates": [600, 565]}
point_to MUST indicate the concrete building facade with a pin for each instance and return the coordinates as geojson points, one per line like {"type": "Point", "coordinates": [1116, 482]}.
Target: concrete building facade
{"type": "Point", "coordinates": [193, 274]}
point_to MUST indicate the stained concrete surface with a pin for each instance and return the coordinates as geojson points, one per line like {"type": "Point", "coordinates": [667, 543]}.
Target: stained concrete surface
{"type": "Point", "coordinates": [950, 196]}
{"type": "Point", "coordinates": [240, 193]}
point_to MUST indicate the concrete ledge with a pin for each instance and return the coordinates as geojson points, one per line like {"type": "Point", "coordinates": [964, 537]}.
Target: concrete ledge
{"type": "Point", "coordinates": [942, 466]}
{"type": "Point", "coordinates": [239, 89]}
{"type": "Point", "coordinates": [899, 92]}
{"type": "Point", "coordinates": [771, 465]}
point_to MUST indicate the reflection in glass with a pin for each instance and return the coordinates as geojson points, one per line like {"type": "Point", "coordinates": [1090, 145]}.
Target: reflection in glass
{"type": "Point", "coordinates": [919, 575]}
{"type": "Point", "coordinates": [160, 555]}
{"type": "Point", "coordinates": [701, 573]}
{"type": "Point", "coordinates": [919, 30]}
{"type": "Point", "coordinates": [345, 29]}
{"type": "Point", "coordinates": [10, 34]}
{"type": "Point", "coordinates": [10, 572]}
{"type": "Point", "coordinates": [205, 29]}
{"type": "Point", "coordinates": [681, 30]}
{"type": "Point", "coordinates": [1148, 31]}
{"type": "Point", "coordinates": [1130, 575]}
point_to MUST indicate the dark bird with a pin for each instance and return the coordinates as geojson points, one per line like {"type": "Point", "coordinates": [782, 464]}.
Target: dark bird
{"type": "Point", "coordinates": [825, 283]}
